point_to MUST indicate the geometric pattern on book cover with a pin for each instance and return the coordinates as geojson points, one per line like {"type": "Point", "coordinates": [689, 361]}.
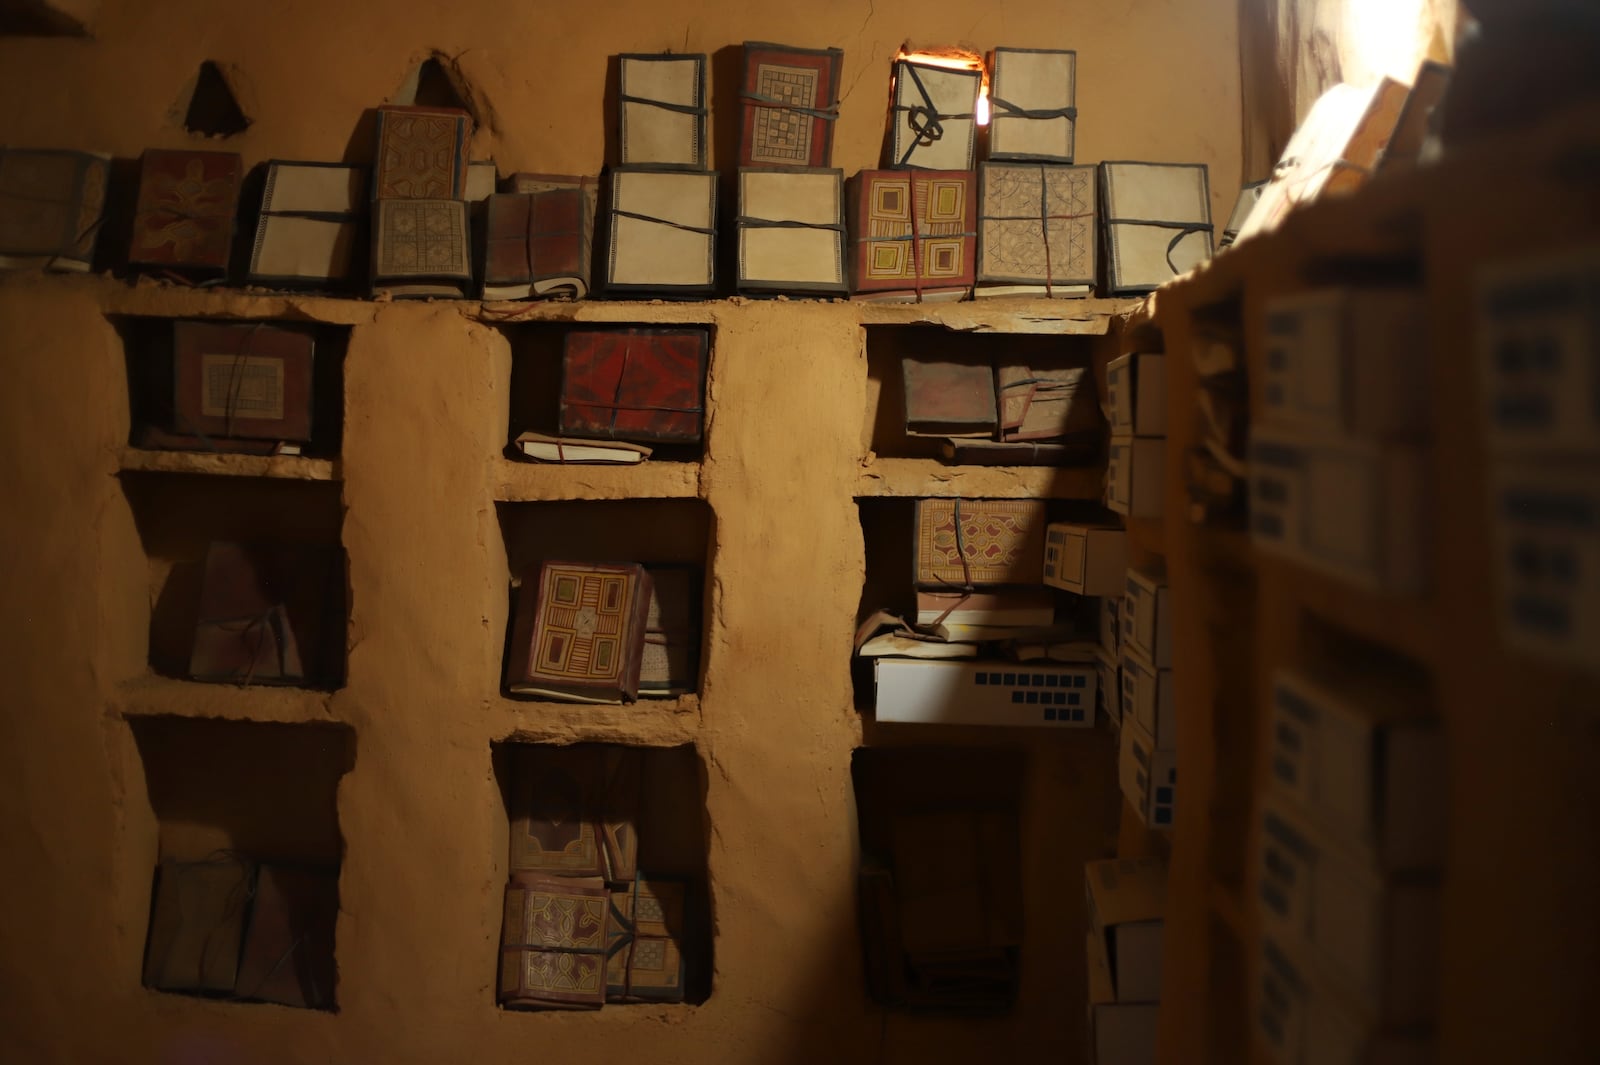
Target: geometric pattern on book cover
{"type": "Point", "coordinates": [242, 381]}
{"type": "Point", "coordinates": [918, 225]}
{"type": "Point", "coordinates": [783, 135]}
{"type": "Point", "coordinates": [1038, 223]}
{"type": "Point", "coordinates": [246, 385]}
{"type": "Point", "coordinates": [646, 958]}
{"type": "Point", "coordinates": [186, 207]}
{"type": "Point", "coordinates": [1001, 541]}
{"type": "Point", "coordinates": [420, 154]}
{"type": "Point", "coordinates": [633, 384]}
{"type": "Point", "coordinates": [554, 940]}
{"type": "Point", "coordinates": [422, 238]}
{"type": "Point", "coordinates": [579, 632]}
{"type": "Point", "coordinates": [50, 202]}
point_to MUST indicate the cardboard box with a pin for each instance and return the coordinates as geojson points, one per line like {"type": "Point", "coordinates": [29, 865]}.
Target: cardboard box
{"type": "Point", "coordinates": [1147, 618]}
{"type": "Point", "coordinates": [1120, 1033]}
{"type": "Point", "coordinates": [1110, 620]}
{"type": "Point", "coordinates": [1536, 341]}
{"type": "Point", "coordinates": [1126, 900]}
{"type": "Point", "coordinates": [951, 692]}
{"type": "Point", "coordinates": [1353, 508]}
{"type": "Point", "coordinates": [1348, 361]}
{"type": "Point", "coordinates": [1109, 668]}
{"type": "Point", "coordinates": [1147, 698]}
{"type": "Point", "coordinates": [1149, 777]}
{"type": "Point", "coordinates": [1085, 559]}
{"type": "Point", "coordinates": [1135, 477]}
{"type": "Point", "coordinates": [1136, 395]}
{"type": "Point", "coordinates": [1303, 1021]}
{"type": "Point", "coordinates": [1363, 758]}
{"type": "Point", "coordinates": [1376, 936]}
{"type": "Point", "coordinates": [1547, 550]}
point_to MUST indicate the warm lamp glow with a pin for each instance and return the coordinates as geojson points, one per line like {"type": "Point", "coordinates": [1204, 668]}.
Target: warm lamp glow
{"type": "Point", "coordinates": [1384, 38]}
{"type": "Point", "coordinates": [955, 59]}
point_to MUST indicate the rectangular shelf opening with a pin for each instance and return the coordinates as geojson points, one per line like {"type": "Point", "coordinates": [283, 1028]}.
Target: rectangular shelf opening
{"type": "Point", "coordinates": [563, 807]}
{"type": "Point", "coordinates": [248, 579]}
{"type": "Point", "coordinates": [246, 888]}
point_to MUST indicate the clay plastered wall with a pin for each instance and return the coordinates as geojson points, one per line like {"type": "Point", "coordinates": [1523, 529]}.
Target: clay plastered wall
{"type": "Point", "coordinates": [426, 391]}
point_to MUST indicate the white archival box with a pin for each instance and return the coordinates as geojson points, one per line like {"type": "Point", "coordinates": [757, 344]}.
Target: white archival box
{"type": "Point", "coordinates": [1126, 902]}
{"type": "Point", "coordinates": [960, 692]}
{"type": "Point", "coordinates": [1147, 698]}
{"type": "Point", "coordinates": [1147, 618]}
{"type": "Point", "coordinates": [1136, 393]}
{"type": "Point", "coordinates": [1135, 481]}
{"type": "Point", "coordinates": [1085, 559]}
{"type": "Point", "coordinates": [1148, 777]}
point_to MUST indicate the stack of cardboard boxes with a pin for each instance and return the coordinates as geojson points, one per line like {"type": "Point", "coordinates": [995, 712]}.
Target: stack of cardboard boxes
{"type": "Point", "coordinates": [1147, 765]}
{"type": "Point", "coordinates": [1126, 904]}
{"type": "Point", "coordinates": [1136, 400]}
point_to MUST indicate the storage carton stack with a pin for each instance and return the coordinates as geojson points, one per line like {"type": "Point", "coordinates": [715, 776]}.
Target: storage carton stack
{"type": "Point", "coordinates": [1136, 398]}
{"type": "Point", "coordinates": [1352, 836]}
{"type": "Point", "coordinates": [1338, 479]}
{"type": "Point", "coordinates": [1126, 901]}
{"type": "Point", "coordinates": [1539, 356]}
{"type": "Point", "coordinates": [1148, 762]}
{"type": "Point", "coordinates": [1091, 561]}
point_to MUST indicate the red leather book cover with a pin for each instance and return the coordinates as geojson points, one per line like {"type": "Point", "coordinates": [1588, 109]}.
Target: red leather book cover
{"type": "Point", "coordinates": [634, 384]}
{"type": "Point", "coordinates": [422, 153]}
{"type": "Point", "coordinates": [913, 232]}
{"type": "Point", "coordinates": [579, 631]}
{"type": "Point", "coordinates": [249, 382]}
{"type": "Point", "coordinates": [790, 102]}
{"type": "Point", "coordinates": [185, 215]}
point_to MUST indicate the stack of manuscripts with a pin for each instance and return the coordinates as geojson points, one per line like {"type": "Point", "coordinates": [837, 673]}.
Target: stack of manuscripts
{"type": "Point", "coordinates": [233, 927]}
{"type": "Point", "coordinates": [584, 926]}
{"type": "Point", "coordinates": [594, 632]}
{"type": "Point", "coordinates": [986, 646]}
{"type": "Point", "coordinates": [1003, 411]}
{"type": "Point", "coordinates": [623, 389]}
{"type": "Point", "coordinates": [52, 205]}
{"type": "Point", "coordinates": [940, 881]}
{"type": "Point", "coordinates": [421, 226]}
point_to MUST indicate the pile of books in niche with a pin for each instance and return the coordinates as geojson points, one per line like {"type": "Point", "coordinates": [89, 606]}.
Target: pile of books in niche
{"type": "Point", "coordinates": [269, 613]}
{"type": "Point", "coordinates": [1002, 411]}
{"type": "Point", "coordinates": [231, 926]}
{"type": "Point", "coordinates": [584, 925]}
{"type": "Point", "coordinates": [596, 632]}
{"type": "Point", "coordinates": [989, 643]}
{"type": "Point", "coordinates": [621, 390]}
{"type": "Point", "coordinates": [940, 882]}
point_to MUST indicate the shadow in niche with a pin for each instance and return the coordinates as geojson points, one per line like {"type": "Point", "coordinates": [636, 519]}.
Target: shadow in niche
{"type": "Point", "coordinates": [213, 110]}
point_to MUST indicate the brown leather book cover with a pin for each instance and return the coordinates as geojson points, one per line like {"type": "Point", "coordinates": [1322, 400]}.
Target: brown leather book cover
{"type": "Point", "coordinates": [52, 204]}
{"type": "Point", "coordinates": [538, 242]}
{"type": "Point", "coordinates": [579, 632]}
{"type": "Point", "coordinates": [1053, 404]}
{"type": "Point", "coordinates": [241, 382]}
{"type": "Point", "coordinates": [945, 398]}
{"type": "Point", "coordinates": [634, 384]}
{"type": "Point", "coordinates": [644, 952]}
{"type": "Point", "coordinates": [288, 946]}
{"type": "Point", "coordinates": [913, 234]}
{"type": "Point", "coordinates": [184, 220]}
{"type": "Point", "coordinates": [422, 153]}
{"type": "Point", "coordinates": [972, 542]}
{"type": "Point", "coordinates": [575, 810]}
{"type": "Point", "coordinates": [790, 102]}
{"type": "Point", "coordinates": [197, 924]}
{"type": "Point", "coordinates": [553, 943]}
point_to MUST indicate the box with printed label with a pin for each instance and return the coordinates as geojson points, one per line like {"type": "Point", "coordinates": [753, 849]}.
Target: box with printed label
{"type": "Point", "coordinates": [1147, 618]}
{"type": "Point", "coordinates": [1147, 698]}
{"type": "Point", "coordinates": [946, 692]}
{"type": "Point", "coordinates": [1085, 559]}
{"type": "Point", "coordinates": [1136, 393]}
{"type": "Point", "coordinates": [1135, 477]}
{"type": "Point", "coordinates": [1149, 777]}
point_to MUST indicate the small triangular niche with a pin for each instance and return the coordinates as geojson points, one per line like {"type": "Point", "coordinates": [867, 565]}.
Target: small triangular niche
{"type": "Point", "coordinates": [433, 84]}
{"type": "Point", "coordinates": [213, 111]}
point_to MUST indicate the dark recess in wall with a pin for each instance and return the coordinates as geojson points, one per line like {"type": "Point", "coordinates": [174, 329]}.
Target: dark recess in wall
{"type": "Point", "coordinates": [213, 110]}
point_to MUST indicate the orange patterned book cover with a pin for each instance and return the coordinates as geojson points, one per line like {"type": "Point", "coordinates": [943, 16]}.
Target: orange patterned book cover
{"type": "Point", "coordinates": [914, 234]}
{"type": "Point", "coordinates": [422, 153]}
{"type": "Point", "coordinates": [185, 216]}
{"type": "Point", "coordinates": [580, 631]}
{"type": "Point", "coordinates": [575, 810]}
{"type": "Point", "coordinates": [553, 943]}
{"type": "Point", "coordinates": [962, 543]}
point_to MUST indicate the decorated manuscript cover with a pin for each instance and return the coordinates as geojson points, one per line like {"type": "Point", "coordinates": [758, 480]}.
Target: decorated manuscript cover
{"type": "Point", "coordinates": [933, 123]}
{"type": "Point", "coordinates": [185, 214]}
{"type": "Point", "coordinates": [791, 230]}
{"type": "Point", "coordinates": [663, 229]}
{"type": "Point", "coordinates": [663, 111]}
{"type": "Point", "coordinates": [579, 633]}
{"type": "Point", "coordinates": [913, 235]}
{"type": "Point", "coordinates": [634, 384]}
{"type": "Point", "coordinates": [1036, 230]}
{"type": "Point", "coordinates": [421, 248]}
{"type": "Point", "coordinates": [1033, 101]}
{"type": "Point", "coordinates": [539, 238]}
{"type": "Point", "coordinates": [574, 810]}
{"type": "Point", "coordinates": [309, 230]}
{"type": "Point", "coordinates": [197, 924]}
{"type": "Point", "coordinates": [645, 953]}
{"type": "Point", "coordinates": [422, 153]}
{"type": "Point", "coordinates": [52, 204]}
{"type": "Point", "coordinates": [553, 943]}
{"type": "Point", "coordinates": [964, 543]}
{"type": "Point", "coordinates": [250, 382]}
{"type": "Point", "coordinates": [1048, 404]}
{"type": "Point", "coordinates": [791, 101]}
{"type": "Point", "coordinates": [1157, 223]}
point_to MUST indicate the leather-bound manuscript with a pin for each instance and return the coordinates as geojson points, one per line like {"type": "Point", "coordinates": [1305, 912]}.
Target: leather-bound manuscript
{"type": "Point", "coordinates": [309, 231]}
{"type": "Point", "coordinates": [539, 238]}
{"type": "Point", "coordinates": [579, 633]}
{"type": "Point", "coordinates": [266, 615]}
{"type": "Point", "coordinates": [1053, 404]}
{"type": "Point", "coordinates": [197, 924]}
{"type": "Point", "coordinates": [288, 946]}
{"type": "Point", "coordinates": [945, 398]}
{"type": "Point", "coordinates": [1036, 230]}
{"type": "Point", "coordinates": [52, 204]}
{"type": "Point", "coordinates": [790, 102]}
{"type": "Point", "coordinates": [241, 382]}
{"type": "Point", "coordinates": [671, 664]}
{"type": "Point", "coordinates": [421, 248]}
{"type": "Point", "coordinates": [663, 111]}
{"type": "Point", "coordinates": [791, 231]}
{"type": "Point", "coordinates": [913, 235]}
{"type": "Point", "coordinates": [933, 122]}
{"type": "Point", "coordinates": [553, 943]}
{"type": "Point", "coordinates": [1032, 98]}
{"type": "Point", "coordinates": [634, 384]}
{"type": "Point", "coordinates": [645, 960]}
{"type": "Point", "coordinates": [963, 543]}
{"type": "Point", "coordinates": [1157, 223]}
{"type": "Point", "coordinates": [422, 153]}
{"type": "Point", "coordinates": [663, 230]}
{"type": "Point", "coordinates": [575, 810]}
{"type": "Point", "coordinates": [184, 220]}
